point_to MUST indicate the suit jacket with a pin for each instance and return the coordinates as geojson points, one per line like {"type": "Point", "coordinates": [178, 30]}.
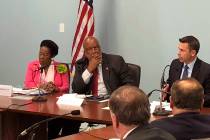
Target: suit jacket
{"type": "Point", "coordinates": [201, 72]}
{"type": "Point", "coordinates": [114, 71]}
{"type": "Point", "coordinates": [186, 126]}
{"type": "Point", "coordinates": [148, 132]}
{"type": "Point", "coordinates": [32, 78]}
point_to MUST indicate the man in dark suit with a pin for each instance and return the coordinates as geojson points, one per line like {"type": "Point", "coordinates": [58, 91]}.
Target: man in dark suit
{"type": "Point", "coordinates": [189, 65]}
{"type": "Point", "coordinates": [111, 70]}
{"type": "Point", "coordinates": [130, 113]}
{"type": "Point", "coordinates": [186, 102]}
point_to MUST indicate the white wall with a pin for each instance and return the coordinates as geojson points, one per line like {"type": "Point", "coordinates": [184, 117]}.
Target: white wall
{"type": "Point", "coordinates": [144, 32]}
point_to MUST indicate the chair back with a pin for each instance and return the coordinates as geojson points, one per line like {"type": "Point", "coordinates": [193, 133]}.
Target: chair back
{"type": "Point", "coordinates": [135, 72]}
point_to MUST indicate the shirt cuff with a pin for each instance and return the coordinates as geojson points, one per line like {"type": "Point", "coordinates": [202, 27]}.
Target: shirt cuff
{"type": "Point", "coordinates": [86, 75]}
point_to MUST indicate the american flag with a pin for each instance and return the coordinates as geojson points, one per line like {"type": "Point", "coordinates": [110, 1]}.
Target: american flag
{"type": "Point", "coordinates": [85, 27]}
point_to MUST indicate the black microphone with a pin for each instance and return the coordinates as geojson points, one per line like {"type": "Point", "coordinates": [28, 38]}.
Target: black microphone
{"type": "Point", "coordinates": [34, 126]}
{"type": "Point", "coordinates": [159, 110]}
{"type": "Point", "coordinates": [41, 68]}
{"type": "Point", "coordinates": [162, 81]}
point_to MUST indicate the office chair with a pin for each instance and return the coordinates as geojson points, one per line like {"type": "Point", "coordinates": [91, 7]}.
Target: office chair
{"type": "Point", "coordinates": [135, 72]}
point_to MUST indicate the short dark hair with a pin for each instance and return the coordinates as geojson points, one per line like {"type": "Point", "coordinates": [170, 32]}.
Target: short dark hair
{"type": "Point", "coordinates": [130, 105]}
{"type": "Point", "coordinates": [192, 41]}
{"type": "Point", "coordinates": [187, 94]}
{"type": "Point", "coordinates": [52, 46]}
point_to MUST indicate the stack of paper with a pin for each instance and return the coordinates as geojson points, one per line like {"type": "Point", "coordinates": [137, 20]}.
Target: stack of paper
{"type": "Point", "coordinates": [5, 90]}
{"type": "Point", "coordinates": [34, 91]}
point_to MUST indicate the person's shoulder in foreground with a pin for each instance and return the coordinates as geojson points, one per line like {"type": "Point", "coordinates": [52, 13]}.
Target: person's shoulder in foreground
{"type": "Point", "coordinates": [130, 113]}
{"type": "Point", "coordinates": [187, 98]}
{"type": "Point", "coordinates": [149, 133]}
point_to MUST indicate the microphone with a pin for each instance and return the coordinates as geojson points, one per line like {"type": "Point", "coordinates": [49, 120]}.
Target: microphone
{"type": "Point", "coordinates": [162, 81]}
{"type": "Point", "coordinates": [40, 98]}
{"type": "Point", "coordinates": [41, 68]}
{"type": "Point", "coordinates": [159, 110]}
{"type": "Point", "coordinates": [36, 125]}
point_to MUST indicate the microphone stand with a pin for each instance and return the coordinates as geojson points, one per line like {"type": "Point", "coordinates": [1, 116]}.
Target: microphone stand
{"type": "Point", "coordinates": [159, 110]}
{"type": "Point", "coordinates": [40, 98]}
{"type": "Point", "coordinates": [162, 81]}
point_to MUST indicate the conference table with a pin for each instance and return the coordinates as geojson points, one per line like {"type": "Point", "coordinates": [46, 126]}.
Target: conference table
{"type": "Point", "coordinates": [16, 115]}
{"type": "Point", "coordinates": [107, 133]}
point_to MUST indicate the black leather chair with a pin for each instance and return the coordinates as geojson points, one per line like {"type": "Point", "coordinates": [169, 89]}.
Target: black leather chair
{"type": "Point", "coordinates": [135, 72]}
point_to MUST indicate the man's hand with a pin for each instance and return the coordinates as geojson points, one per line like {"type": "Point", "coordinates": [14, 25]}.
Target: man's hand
{"type": "Point", "coordinates": [164, 93]}
{"type": "Point", "coordinates": [94, 61]}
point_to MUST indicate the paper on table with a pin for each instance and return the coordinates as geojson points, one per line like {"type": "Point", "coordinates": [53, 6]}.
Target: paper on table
{"type": "Point", "coordinates": [22, 97]}
{"type": "Point", "coordinates": [165, 105]}
{"type": "Point", "coordinates": [5, 90]}
{"type": "Point", "coordinates": [106, 108]}
{"type": "Point", "coordinates": [34, 91]}
{"type": "Point", "coordinates": [70, 99]}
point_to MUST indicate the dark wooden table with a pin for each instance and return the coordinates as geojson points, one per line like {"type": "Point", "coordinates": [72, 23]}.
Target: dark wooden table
{"type": "Point", "coordinates": [108, 132]}
{"type": "Point", "coordinates": [17, 118]}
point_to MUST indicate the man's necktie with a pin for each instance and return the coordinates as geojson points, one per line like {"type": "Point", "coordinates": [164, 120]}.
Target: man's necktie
{"type": "Point", "coordinates": [185, 73]}
{"type": "Point", "coordinates": [94, 86]}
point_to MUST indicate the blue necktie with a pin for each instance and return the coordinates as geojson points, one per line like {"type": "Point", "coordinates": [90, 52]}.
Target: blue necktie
{"type": "Point", "coordinates": [185, 73]}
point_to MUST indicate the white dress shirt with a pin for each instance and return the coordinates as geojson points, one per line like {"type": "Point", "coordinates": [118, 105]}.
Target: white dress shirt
{"type": "Point", "coordinates": [190, 68]}
{"type": "Point", "coordinates": [86, 75]}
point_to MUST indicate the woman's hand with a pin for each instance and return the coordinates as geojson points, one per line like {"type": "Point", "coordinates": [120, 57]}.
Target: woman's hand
{"type": "Point", "coordinates": [49, 87]}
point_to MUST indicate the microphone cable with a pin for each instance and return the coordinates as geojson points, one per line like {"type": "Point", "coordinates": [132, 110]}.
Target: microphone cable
{"type": "Point", "coordinates": [162, 81]}
{"type": "Point", "coordinates": [36, 125]}
{"type": "Point", "coordinates": [18, 105]}
{"type": "Point", "coordinates": [159, 90]}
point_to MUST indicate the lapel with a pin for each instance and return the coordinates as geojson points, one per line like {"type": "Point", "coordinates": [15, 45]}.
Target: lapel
{"type": "Point", "coordinates": [84, 62]}
{"type": "Point", "coordinates": [196, 68]}
{"type": "Point", "coordinates": [106, 72]}
{"type": "Point", "coordinates": [179, 70]}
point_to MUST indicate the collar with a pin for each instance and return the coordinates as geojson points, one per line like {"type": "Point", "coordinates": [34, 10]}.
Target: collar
{"type": "Point", "coordinates": [187, 113]}
{"type": "Point", "coordinates": [127, 133]}
{"type": "Point", "coordinates": [190, 65]}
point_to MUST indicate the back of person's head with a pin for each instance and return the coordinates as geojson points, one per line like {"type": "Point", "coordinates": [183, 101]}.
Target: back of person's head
{"type": "Point", "coordinates": [187, 94]}
{"type": "Point", "coordinates": [130, 105]}
{"type": "Point", "coordinates": [52, 46]}
{"type": "Point", "coordinates": [192, 42]}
